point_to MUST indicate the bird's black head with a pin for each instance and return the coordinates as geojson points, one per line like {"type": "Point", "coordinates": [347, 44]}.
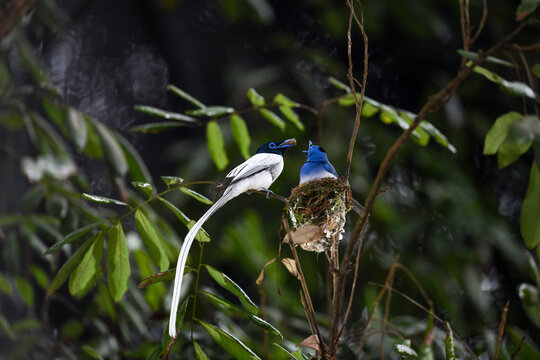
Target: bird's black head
{"type": "Point", "coordinates": [276, 147]}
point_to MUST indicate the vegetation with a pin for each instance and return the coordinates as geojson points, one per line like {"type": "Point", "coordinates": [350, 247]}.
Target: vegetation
{"type": "Point", "coordinates": [441, 262]}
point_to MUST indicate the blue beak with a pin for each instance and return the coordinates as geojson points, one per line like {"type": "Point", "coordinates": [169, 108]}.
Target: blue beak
{"type": "Point", "coordinates": [287, 143]}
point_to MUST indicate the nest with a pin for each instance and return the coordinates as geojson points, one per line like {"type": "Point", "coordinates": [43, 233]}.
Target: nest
{"type": "Point", "coordinates": [317, 211]}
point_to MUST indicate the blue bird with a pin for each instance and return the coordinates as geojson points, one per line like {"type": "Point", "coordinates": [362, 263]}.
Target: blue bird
{"type": "Point", "coordinates": [317, 165]}
{"type": "Point", "coordinates": [256, 173]}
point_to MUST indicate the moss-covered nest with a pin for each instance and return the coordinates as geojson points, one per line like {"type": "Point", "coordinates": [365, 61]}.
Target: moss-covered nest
{"type": "Point", "coordinates": [322, 202]}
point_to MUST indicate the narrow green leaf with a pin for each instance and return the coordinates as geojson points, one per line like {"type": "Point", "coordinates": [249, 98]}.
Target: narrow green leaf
{"type": "Point", "coordinates": [368, 109]}
{"type": "Point", "coordinates": [292, 116]}
{"type": "Point", "coordinates": [113, 153]}
{"type": "Point", "coordinates": [6, 328]}
{"type": "Point", "coordinates": [5, 285]}
{"type": "Point", "coordinates": [225, 282]}
{"type": "Point", "coordinates": [76, 125]}
{"type": "Point", "coordinates": [296, 355]}
{"type": "Point", "coordinates": [144, 187]}
{"type": "Point", "coordinates": [40, 276]}
{"type": "Point", "coordinates": [255, 98]}
{"type": "Point", "coordinates": [530, 210]}
{"type": "Point", "coordinates": [68, 267]}
{"type": "Point", "coordinates": [137, 168]}
{"type": "Point", "coordinates": [172, 180]}
{"type": "Point", "coordinates": [26, 290]}
{"type": "Point", "coordinates": [449, 343]}
{"type": "Point", "coordinates": [117, 262]}
{"type": "Point", "coordinates": [196, 195]}
{"type": "Point", "coordinates": [216, 145]}
{"type": "Point", "coordinates": [11, 120]}
{"type": "Point", "coordinates": [229, 343]}
{"type": "Point", "coordinates": [202, 235]}
{"type": "Point", "coordinates": [165, 114]}
{"type": "Point", "coordinates": [514, 88]}
{"type": "Point", "coordinates": [154, 128]}
{"type": "Point", "coordinates": [282, 100]}
{"type": "Point", "coordinates": [93, 148]}
{"type": "Point", "coordinates": [240, 134]}
{"type": "Point", "coordinates": [525, 8]}
{"type": "Point", "coordinates": [86, 269]}
{"type": "Point", "coordinates": [151, 241]}
{"type": "Point", "coordinates": [230, 306]}
{"type": "Point", "coordinates": [211, 111]}
{"type": "Point", "coordinates": [338, 84]}
{"type": "Point", "coordinates": [535, 69]}
{"type": "Point", "coordinates": [162, 276]}
{"type": "Point", "coordinates": [437, 135]}
{"type": "Point", "coordinates": [199, 353]}
{"type": "Point", "coordinates": [71, 237]}
{"type": "Point", "coordinates": [498, 132]}
{"type": "Point", "coordinates": [406, 351]}
{"type": "Point", "coordinates": [420, 136]}
{"type": "Point", "coordinates": [181, 93]}
{"type": "Point", "coordinates": [91, 352]}
{"type": "Point", "coordinates": [273, 118]}
{"type": "Point", "coordinates": [471, 55]}
{"type": "Point", "coordinates": [103, 199]}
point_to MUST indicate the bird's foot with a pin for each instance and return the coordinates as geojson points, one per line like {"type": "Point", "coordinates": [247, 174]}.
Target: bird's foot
{"type": "Point", "coordinates": [268, 192]}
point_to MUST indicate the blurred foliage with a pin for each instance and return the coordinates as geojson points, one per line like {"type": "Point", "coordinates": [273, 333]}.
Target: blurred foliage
{"type": "Point", "coordinates": [71, 263]}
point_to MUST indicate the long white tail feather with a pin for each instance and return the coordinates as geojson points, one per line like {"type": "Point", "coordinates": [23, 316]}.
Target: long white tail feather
{"type": "Point", "coordinates": [182, 257]}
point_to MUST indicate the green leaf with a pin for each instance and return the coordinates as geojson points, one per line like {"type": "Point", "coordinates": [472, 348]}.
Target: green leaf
{"type": "Point", "coordinates": [511, 150]}
{"type": "Point", "coordinates": [11, 120]}
{"type": "Point", "coordinates": [255, 319]}
{"type": "Point", "coordinates": [6, 328]}
{"type": "Point", "coordinates": [5, 285]}
{"type": "Point", "coordinates": [255, 98]}
{"type": "Point", "coordinates": [71, 237]}
{"type": "Point", "coordinates": [181, 93]}
{"type": "Point", "coordinates": [368, 109]}
{"type": "Point", "coordinates": [113, 153]}
{"type": "Point", "coordinates": [216, 145]}
{"type": "Point", "coordinates": [514, 88]}
{"type": "Point", "coordinates": [525, 8]}
{"type": "Point", "coordinates": [199, 353]}
{"type": "Point", "coordinates": [91, 352]}
{"type": "Point", "coordinates": [154, 128]}
{"type": "Point", "coordinates": [196, 195]}
{"type": "Point", "coordinates": [297, 355]}
{"type": "Point", "coordinates": [406, 351]}
{"type": "Point", "coordinates": [165, 114]}
{"type": "Point", "coordinates": [240, 134]}
{"type": "Point", "coordinates": [72, 262]}
{"type": "Point", "coordinates": [498, 132]}
{"type": "Point", "coordinates": [228, 342]}
{"type": "Point", "coordinates": [93, 148]}
{"type": "Point", "coordinates": [26, 290]}
{"type": "Point", "coordinates": [285, 106]}
{"type": "Point", "coordinates": [273, 118]}
{"type": "Point", "coordinates": [338, 84]}
{"type": "Point", "coordinates": [530, 210]}
{"type": "Point", "coordinates": [87, 268]}
{"type": "Point", "coordinates": [103, 199]}
{"type": "Point", "coordinates": [172, 180]}
{"type": "Point", "coordinates": [420, 136]}
{"type": "Point", "coordinates": [151, 241]}
{"type": "Point", "coordinates": [162, 276]}
{"type": "Point", "coordinates": [117, 262]}
{"type": "Point", "coordinates": [76, 125]}
{"type": "Point", "coordinates": [471, 55]}
{"type": "Point", "coordinates": [449, 343]}
{"type": "Point", "coordinates": [225, 282]}
{"type": "Point", "coordinates": [535, 69]}
{"type": "Point", "coordinates": [144, 187]}
{"type": "Point", "coordinates": [202, 235]}
{"type": "Point", "coordinates": [211, 111]}
{"type": "Point", "coordinates": [137, 167]}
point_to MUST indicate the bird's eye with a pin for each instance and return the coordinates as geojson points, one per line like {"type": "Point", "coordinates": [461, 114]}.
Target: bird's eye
{"type": "Point", "coordinates": [272, 145]}
{"type": "Point", "coordinates": [320, 148]}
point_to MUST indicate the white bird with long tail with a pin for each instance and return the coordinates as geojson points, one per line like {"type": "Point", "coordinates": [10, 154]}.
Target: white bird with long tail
{"type": "Point", "coordinates": [256, 173]}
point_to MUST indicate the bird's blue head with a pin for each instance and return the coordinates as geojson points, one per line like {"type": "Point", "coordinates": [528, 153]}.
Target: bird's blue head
{"type": "Point", "coordinates": [276, 147]}
{"type": "Point", "coordinates": [315, 153]}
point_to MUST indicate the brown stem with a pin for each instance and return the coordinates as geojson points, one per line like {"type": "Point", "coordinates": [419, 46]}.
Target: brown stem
{"type": "Point", "coordinates": [501, 330]}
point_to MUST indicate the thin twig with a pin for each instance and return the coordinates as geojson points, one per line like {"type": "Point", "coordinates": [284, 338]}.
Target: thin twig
{"type": "Point", "coordinates": [358, 102]}
{"type": "Point", "coordinates": [482, 23]}
{"type": "Point", "coordinates": [501, 330]}
{"type": "Point", "coordinates": [310, 310]}
{"type": "Point", "coordinates": [375, 304]}
{"type": "Point", "coordinates": [518, 349]}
